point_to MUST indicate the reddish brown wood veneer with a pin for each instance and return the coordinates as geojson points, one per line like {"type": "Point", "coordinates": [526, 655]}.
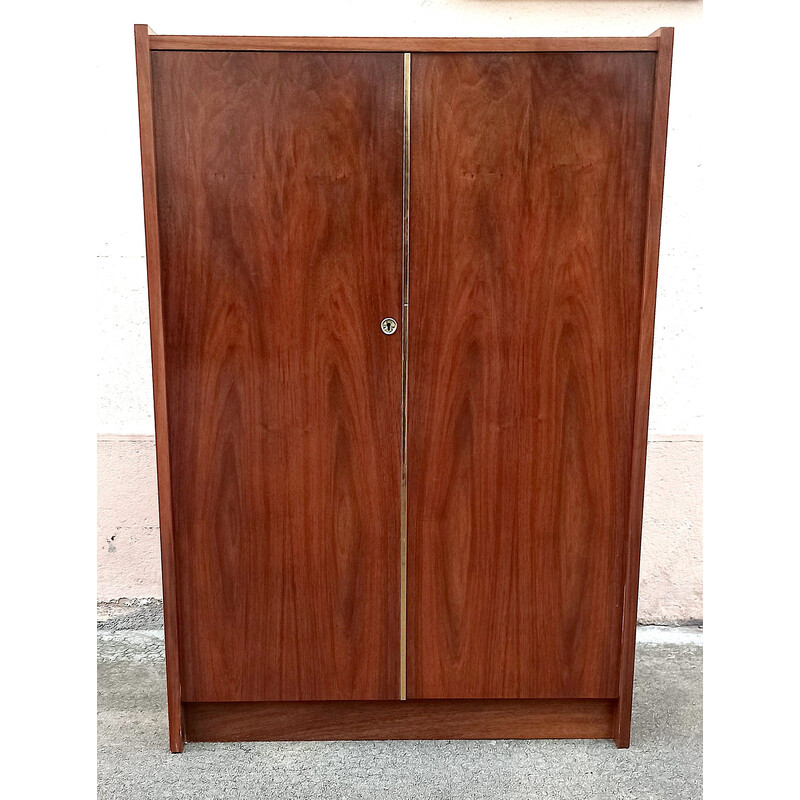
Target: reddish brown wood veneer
{"type": "Point", "coordinates": [529, 186]}
{"type": "Point", "coordinates": [423, 44]}
{"type": "Point", "coordinates": [273, 178]}
{"type": "Point", "coordinates": [279, 185]}
{"type": "Point", "coordinates": [410, 719]}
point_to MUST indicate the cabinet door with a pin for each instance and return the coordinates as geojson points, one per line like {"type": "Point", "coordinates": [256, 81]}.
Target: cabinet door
{"type": "Point", "coordinates": [279, 180]}
{"type": "Point", "coordinates": [528, 200]}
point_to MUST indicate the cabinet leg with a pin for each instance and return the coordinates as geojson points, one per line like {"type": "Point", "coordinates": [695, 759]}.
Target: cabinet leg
{"type": "Point", "coordinates": [176, 735]}
{"type": "Point", "coordinates": [176, 743]}
{"type": "Point", "coordinates": [622, 723]}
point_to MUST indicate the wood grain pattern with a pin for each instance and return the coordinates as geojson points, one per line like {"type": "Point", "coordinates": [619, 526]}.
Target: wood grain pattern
{"type": "Point", "coordinates": [658, 151]}
{"type": "Point", "coordinates": [279, 180]}
{"type": "Point", "coordinates": [272, 190]}
{"type": "Point", "coordinates": [168, 576]}
{"type": "Point", "coordinates": [404, 44]}
{"type": "Point", "coordinates": [529, 181]}
{"type": "Point", "coordinates": [421, 719]}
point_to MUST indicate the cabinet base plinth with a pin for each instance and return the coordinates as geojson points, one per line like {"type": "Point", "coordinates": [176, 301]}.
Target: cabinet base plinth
{"type": "Point", "coordinates": [395, 719]}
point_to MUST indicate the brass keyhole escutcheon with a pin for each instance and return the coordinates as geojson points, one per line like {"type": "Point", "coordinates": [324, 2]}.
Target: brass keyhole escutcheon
{"type": "Point", "coordinates": [389, 325]}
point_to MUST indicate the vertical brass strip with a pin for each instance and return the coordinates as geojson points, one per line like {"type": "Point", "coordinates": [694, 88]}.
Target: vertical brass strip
{"type": "Point", "coordinates": [404, 423]}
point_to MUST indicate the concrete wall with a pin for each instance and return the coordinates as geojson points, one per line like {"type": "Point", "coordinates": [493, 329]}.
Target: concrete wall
{"type": "Point", "coordinates": [671, 587]}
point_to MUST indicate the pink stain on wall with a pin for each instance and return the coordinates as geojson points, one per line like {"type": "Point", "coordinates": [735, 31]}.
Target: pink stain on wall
{"type": "Point", "coordinates": [128, 546]}
{"type": "Point", "coordinates": [671, 587]}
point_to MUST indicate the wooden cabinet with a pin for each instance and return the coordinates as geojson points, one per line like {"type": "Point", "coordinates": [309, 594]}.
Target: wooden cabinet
{"type": "Point", "coordinates": [428, 529]}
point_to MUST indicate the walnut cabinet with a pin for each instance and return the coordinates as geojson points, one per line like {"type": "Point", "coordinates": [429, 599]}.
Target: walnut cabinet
{"type": "Point", "coordinates": [401, 296]}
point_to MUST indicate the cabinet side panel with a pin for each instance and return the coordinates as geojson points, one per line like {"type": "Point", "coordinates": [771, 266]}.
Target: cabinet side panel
{"type": "Point", "coordinates": [280, 225]}
{"type": "Point", "coordinates": [529, 176]}
{"type": "Point", "coordinates": [658, 152]}
{"type": "Point", "coordinates": [150, 197]}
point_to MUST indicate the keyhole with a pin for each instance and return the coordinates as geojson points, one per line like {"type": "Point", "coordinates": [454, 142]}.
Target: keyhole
{"type": "Point", "coordinates": [389, 326]}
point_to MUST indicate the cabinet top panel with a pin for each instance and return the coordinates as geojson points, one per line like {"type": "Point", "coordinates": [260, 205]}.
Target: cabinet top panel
{"type": "Point", "coordinates": [401, 44]}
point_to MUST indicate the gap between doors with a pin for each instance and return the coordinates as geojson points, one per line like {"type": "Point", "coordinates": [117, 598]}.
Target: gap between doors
{"type": "Point", "coordinates": [404, 374]}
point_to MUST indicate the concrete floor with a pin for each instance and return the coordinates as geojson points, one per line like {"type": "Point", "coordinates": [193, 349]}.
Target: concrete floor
{"type": "Point", "coordinates": [664, 761]}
